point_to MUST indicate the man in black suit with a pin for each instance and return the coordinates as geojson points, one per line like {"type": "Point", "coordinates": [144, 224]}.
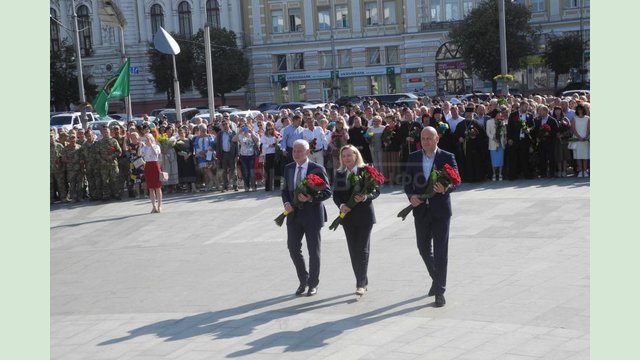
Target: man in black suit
{"type": "Point", "coordinates": [432, 216]}
{"type": "Point", "coordinates": [306, 221]}
{"type": "Point", "coordinates": [546, 142]}
{"type": "Point", "coordinates": [519, 143]}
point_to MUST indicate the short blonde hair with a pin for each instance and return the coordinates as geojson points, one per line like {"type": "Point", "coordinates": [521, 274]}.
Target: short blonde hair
{"type": "Point", "coordinates": [359, 161]}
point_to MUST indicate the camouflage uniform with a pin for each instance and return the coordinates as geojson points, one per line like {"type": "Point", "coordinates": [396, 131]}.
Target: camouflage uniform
{"type": "Point", "coordinates": [56, 172]}
{"type": "Point", "coordinates": [109, 150]}
{"type": "Point", "coordinates": [123, 166]}
{"type": "Point", "coordinates": [71, 159]}
{"type": "Point", "coordinates": [91, 159]}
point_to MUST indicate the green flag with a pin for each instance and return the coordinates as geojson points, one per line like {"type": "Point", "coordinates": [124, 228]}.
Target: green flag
{"type": "Point", "coordinates": [116, 87]}
{"type": "Point", "coordinates": [121, 88]}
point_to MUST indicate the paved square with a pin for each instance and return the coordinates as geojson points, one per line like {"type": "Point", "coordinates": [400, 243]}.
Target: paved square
{"type": "Point", "coordinates": [211, 278]}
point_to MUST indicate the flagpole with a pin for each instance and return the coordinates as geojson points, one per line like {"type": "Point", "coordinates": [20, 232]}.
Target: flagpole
{"type": "Point", "coordinates": [127, 100]}
{"type": "Point", "coordinates": [176, 91]}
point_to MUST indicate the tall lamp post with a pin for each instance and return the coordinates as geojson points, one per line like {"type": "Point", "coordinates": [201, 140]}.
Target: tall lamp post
{"type": "Point", "coordinates": [503, 45]}
{"type": "Point", "coordinates": [166, 44]}
{"type": "Point", "coordinates": [78, 55]}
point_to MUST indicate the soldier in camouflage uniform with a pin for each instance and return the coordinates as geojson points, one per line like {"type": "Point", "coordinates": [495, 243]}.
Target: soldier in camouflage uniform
{"type": "Point", "coordinates": [71, 160]}
{"type": "Point", "coordinates": [123, 160]}
{"type": "Point", "coordinates": [91, 161]}
{"type": "Point", "coordinates": [109, 151]}
{"type": "Point", "coordinates": [80, 139]}
{"type": "Point", "coordinates": [56, 170]}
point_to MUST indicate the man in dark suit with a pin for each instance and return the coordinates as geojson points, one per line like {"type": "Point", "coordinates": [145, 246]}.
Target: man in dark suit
{"type": "Point", "coordinates": [432, 216]}
{"type": "Point", "coordinates": [546, 142]}
{"type": "Point", "coordinates": [519, 144]}
{"type": "Point", "coordinates": [306, 221]}
{"type": "Point", "coordinates": [227, 151]}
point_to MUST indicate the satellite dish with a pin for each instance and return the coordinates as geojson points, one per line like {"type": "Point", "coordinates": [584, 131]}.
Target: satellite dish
{"type": "Point", "coordinates": [165, 43]}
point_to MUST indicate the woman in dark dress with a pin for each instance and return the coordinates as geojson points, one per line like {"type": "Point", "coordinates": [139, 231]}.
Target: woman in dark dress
{"type": "Point", "coordinates": [357, 139]}
{"type": "Point", "coordinates": [186, 164]}
{"type": "Point", "coordinates": [359, 220]}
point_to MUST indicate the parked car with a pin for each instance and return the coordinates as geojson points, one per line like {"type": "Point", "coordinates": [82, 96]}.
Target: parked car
{"type": "Point", "coordinates": [288, 105]}
{"type": "Point", "coordinates": [482, 96]}
{"type": "Point", "coordinates": [186, 114]}
{"type": "Point", "coordinates": [156, 112]}
{"type": "Point", "coordinates": [574, 86]}
{"type": "Point", "coordinates": [70, 120]}
{"type": "Point", "coordinates": [97, 125]}
{"type": "Point", "coordinates": [267, 106]}
{"type": "Point", "coordinates": [315, 106]}
{"type": "Point", "coordinates": [570, 93]}
{"type": "Point", "coordinates": [390, 99]}
{"type": "Point", "coordinates": [349, 100]}
{"type": "Point", "coordinates": [245, 113]}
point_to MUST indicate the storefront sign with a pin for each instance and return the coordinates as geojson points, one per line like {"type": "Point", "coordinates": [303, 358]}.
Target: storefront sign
{"type": "Point", "coordinates": [415, 80]}
{"type": "Point", "coordinates": [380, 70]}
{"type": "Point", "coordinates": [451, 65]}
{"type": "Point", "coordinates": [414, 70]}
{"type": "Point", "coordinates": [297, 76]}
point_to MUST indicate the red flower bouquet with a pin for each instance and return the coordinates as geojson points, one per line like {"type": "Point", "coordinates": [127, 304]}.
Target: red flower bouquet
{"type": "Point", "coordinates": [447, 176]}
{"type": "Point", "coordinates": [545, 130]}
{"type": "Point", "coordinates": [372, 179]}
{"type": "Point", "coordinates": [311, 185]}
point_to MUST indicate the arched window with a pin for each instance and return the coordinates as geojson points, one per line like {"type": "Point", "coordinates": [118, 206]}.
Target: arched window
{"type": "Point", "coordinates": [452, 76]}
{"type": "Point", "coordinates": [184, 18]}
{"type": "Point", "coordinates": [54, 30]}
{"type": "Point", "coordinates": [213, 13]}
{"type": "Point", "coordinates": [84, 26]}
{"type": "Point", "coordinates": [157, 18]}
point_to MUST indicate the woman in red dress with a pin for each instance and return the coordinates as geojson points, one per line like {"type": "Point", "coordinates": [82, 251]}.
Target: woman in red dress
{"type": "Point", "coordinates": [150, 152]}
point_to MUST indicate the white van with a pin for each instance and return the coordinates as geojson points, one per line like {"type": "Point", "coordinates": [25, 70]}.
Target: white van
{"type": "Point", "coordinates": [70, 120]}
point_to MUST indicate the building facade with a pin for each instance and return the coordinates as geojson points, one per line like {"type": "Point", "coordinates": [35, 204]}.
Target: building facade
{"type": "Point", "coordinates": [313, 49]}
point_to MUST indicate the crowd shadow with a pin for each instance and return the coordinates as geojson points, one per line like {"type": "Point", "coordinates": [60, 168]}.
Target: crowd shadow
{"type": "Point", "coordinates": [316, 336]}
{"type": "Point", "coordinates": [213, 323]}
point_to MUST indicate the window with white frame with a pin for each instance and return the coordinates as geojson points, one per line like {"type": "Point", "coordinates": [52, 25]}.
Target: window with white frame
{"type": "Point", "coordinates": [436, 11]}
{"type": "Point", "coordinates": [536, 5]}
{"type": "Point", "coordinates": [451, 10]}
{"type": "Point", "coordinates": [157, 18]}
{"type": "Point", "coordinates": [295, 20]}
{"type": "Point", "coordinates": [326, 59]}
{"type": "Point", "coordinates": [213, 13]}
{"type": "Point", "coordinates": [373, 56]}
{"type": "Point", "coordinates": [575, 4]}
{"type": "Point", "coordinates": [389, 12]}
{"type": "Point", "coordinates": [277, 21]}
{"type": "Point", "coordinates": [298, 61]}
{"type": "Point", "coordinates": [467, 6]}
{"type": "Point", "coordinates": [371, 13]}
{"type": "Point", "coordinates": [344, 58]}
{"type": "Point", "coordinates": [342, 16]}
{"type": "Point", "coordinates": [84, 24]}
{"type": "Point", "coordinates": [324, 18]}
{"type": "Point", "coordinates": [281, 62]}
{"type": "Point", "coordinates": [184, 19]}
{"type": "Point", "coordinates": [54, 30]}
{"type": "Point", "coordinates": [392, 55]}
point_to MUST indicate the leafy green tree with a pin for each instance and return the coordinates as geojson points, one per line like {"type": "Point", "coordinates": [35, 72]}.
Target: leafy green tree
{"type": "Point", "coordinates": [63, 80]}
{"type": "Point", "coordinates": [161, 68]}
{"type": "Point", "coordinates": [563, 53]}
{"type": "Point", "coordinates": [230, 65]}
{"type": "Point", "coordinates": [478, 38]}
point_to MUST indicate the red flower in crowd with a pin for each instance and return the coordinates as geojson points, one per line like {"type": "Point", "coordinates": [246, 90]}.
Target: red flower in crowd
{"type": "Point", "coordinates": [546, 127]}
{"type": "Point", "coordinates": [453, 174]}
{"type": "Point", "coordinates": [375, 174]}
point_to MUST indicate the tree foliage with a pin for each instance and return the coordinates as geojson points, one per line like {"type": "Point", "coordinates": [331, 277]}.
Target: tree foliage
{"type": "Point", "coordinates": [63, 80]}
{"type": "Point", "coordinates": [478, 38]}
{"type": "Point", "coordinates": [562, 54]}
{"type": "Point", "coordinates": [230, 65]}
{"type": "Point", "coordinates": [161, 67]}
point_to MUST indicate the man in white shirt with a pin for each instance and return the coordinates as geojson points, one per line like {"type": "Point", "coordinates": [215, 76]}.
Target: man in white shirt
{"type": "Point", "coordinates": [455, 119]}
{"type": "Point", "coordinates": [315, 136]}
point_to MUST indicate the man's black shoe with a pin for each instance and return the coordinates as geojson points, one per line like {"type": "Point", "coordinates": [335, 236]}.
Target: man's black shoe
{"type": "Point", "coordinates": [440, 301]}
{"type": "Point", "coordinates": [312, 291]}
{"type": "Point", "coordinates": [432, 291]}
{"type": "Point", "coordinates": [300, 290]}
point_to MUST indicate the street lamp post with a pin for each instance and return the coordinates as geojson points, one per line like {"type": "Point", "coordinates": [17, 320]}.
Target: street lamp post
{"type": "Point", "coordinates": [334, 73]}
{"type": "Point", "coordinates": [503, 45]}
{"type": "Point", "coordinates": [78, 55]}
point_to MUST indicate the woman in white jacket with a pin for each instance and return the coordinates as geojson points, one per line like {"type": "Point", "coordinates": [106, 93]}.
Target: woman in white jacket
{"type": "Point", "coordinates": [497, 132]}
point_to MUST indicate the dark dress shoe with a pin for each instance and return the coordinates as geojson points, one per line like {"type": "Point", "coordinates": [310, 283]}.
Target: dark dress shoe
{"type": "Point", "coordinates": [432, 292]}
{"type": "Point", "coordinates": [300, 290]}
{"type": "Point", "coordinates": [440, 301]}
{"type": "Point", "coordinates": [312, 291]}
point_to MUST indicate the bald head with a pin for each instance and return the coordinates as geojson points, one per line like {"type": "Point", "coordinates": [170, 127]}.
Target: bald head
{"type": "Point", "coordinates": [429, 139]}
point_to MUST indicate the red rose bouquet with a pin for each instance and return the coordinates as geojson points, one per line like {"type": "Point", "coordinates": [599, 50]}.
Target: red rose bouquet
{"type": "Point", "coordinates": [311, 185]}
{"type": "Point", "coordinates": [545, 130]}
{"type": "Point", "coordinates": [447, 176]}
{"type": "Point", "coordinates": [372, 179]}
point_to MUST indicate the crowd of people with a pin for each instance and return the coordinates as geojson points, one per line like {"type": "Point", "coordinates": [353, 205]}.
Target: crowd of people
{"type": "Point", "coordinates": [500, 139]}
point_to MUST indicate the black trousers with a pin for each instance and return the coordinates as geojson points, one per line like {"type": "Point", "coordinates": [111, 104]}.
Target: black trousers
{"type": "Point", "coordinates": [432, 236]}
{"type": "Point", "coordinates": [547, 167]}
{"type": "Point", "coordinates": [519, 160]}
{"type": "Point", "coordinates": [295, 231]}
{"type": "Point", "coordinates": [358, 240]}
{"type": "Point", "coordinates": [271, 172]}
